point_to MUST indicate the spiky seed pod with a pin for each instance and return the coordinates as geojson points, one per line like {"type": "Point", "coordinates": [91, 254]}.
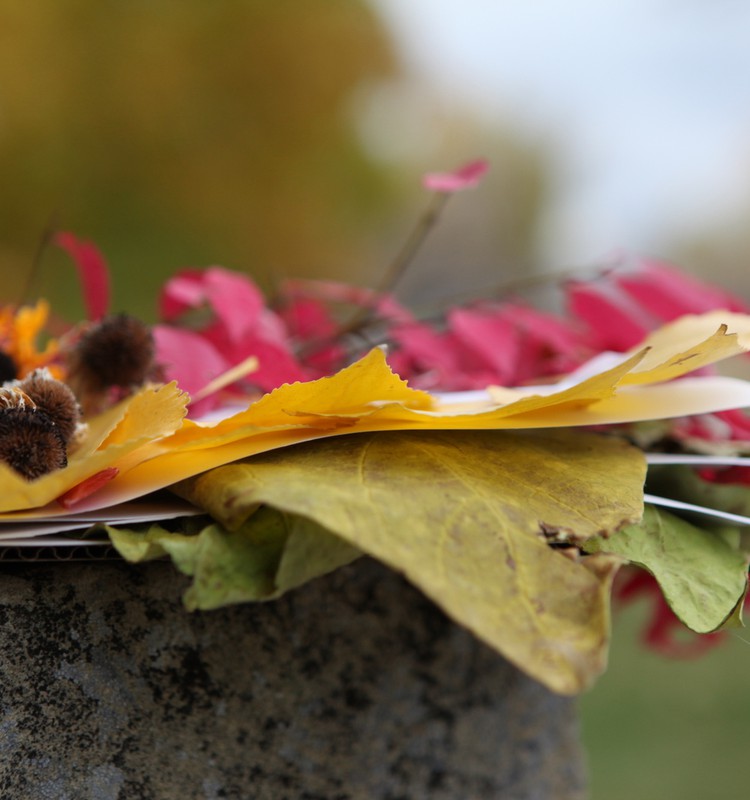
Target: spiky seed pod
{"type": "Point", "coordinates": [8, 367]}
{"type": "Point", "coordinates": [30, 442]}
{"type": "Point", "coordinates": [12, 396]}
{"type": "Point", "coordinates": [55, 399]}
{"type": "Point", "coordinates": [118, 351]}
{"type": "Point", "coordinates": [109, 360]}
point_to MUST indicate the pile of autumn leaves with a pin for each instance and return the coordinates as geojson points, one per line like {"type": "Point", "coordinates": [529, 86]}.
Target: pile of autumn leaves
{"type": "Point", "coordinates": [504, 511]}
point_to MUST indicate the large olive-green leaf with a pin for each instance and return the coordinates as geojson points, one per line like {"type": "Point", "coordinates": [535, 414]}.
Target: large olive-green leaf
{"type": "Point", "coordinates": [465, 515]}
{"type": "Point", "coordinates": [703, 578]}
{"type": "Point", "coordinates": [269, 555]}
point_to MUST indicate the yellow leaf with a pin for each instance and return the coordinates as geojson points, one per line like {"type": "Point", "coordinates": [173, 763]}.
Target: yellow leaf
{"type": "Point", "coordinates": [368, 397]}
{"type": "Point", "coordinates": [465, 516]}
{"type": "Point", "coordinates": [691, 342]}
{"type": "Point", "coordinates": [324, 404]}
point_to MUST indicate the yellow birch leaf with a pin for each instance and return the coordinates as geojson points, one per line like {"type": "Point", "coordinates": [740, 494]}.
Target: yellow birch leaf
{"type": "Point", "coordinates": [463, 516]}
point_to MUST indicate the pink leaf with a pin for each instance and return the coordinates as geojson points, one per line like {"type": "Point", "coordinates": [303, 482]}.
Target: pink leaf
{"type": "Point", "coordinates": [307, 319]}
{"type": "Point", "coordinates": [191, 360]}
{"type": "Point", "coordinates": [237, 303]}
{"type": "Point", "coordinates": [330, 292]}
{"type": "Point", "coordinates": [615, 320]}
{"type": "Point", "coordinates": [385, 305]}
{"type": "Point", "coordinates": [276, 363]}
{"type": "Point", "coordinates": [559, 335]}
{"type": "Point", "coordinates": [92, 273]}
{"type": "Point", "coordinates": [234, 298]}
{"type": "Point", "coordinates": [493, 341]}
{"type": "Point", "coordinates": [668, 293]}
{"type": "Point", "coordinates": [438, 360]}
{"type": "Point", "coordinates": [465, 177]}
{"type": "Point", "coordinates": [180, 293]}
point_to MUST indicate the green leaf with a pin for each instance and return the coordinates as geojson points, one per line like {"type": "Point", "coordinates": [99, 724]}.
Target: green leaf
{"type": "Point", "coordinates": [140, 545]}
{"type": "Point", "coordinates": [703, 578]}
{"type": "Point", "coordinates": [466, 517]}
{"type": "Point", "coordinates": [310, 551]}
{"type": "Point", "coordinates": [261, 560]}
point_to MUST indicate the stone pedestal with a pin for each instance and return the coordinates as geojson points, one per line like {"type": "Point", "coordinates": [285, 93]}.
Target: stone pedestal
{"type": "Point", "coordinates": [354, 687]}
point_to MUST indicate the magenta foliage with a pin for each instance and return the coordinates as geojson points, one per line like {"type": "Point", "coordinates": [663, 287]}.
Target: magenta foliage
{"type": "Point", "coordinates": [92, 273]}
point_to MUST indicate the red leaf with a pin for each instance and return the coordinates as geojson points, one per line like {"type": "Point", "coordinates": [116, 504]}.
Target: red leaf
{"type": "Point", "coordinates": [92, 273]}
{"type": "Point", "coordinates": [87, 487]}
{"type": "Point", "coordinates": [492, 340]}
{"type": "Point", "coordinates": [276, 364]}
{"type": "Point", "coordinates": [191, 360]}
{"type": "Point", "coordinates": [307, 319]}
{"type": "Point", "coordinates": [234, 299]}
{"type": "Point", "coordinates": [615, 320]}
{"type": "Point", "coordinates": [465, 177]}
{"type": "Point", "coordinates": [668, 293]}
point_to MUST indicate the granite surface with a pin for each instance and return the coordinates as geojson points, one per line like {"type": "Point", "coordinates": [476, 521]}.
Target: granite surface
{"type": "Point", "coordinates": [354, 687]}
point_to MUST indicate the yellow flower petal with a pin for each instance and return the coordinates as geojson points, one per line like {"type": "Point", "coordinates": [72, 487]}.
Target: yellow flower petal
{"type": "Point", "coordinates": [19, 332]}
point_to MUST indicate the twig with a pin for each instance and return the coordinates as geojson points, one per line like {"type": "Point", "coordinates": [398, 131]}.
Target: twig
{"type": "Point", "coordinates": [44, 241]}
{"type": "Point", "coordinates": [391, 277]}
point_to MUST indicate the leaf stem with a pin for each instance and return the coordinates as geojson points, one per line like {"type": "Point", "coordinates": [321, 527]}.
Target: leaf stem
{"type": "Point", "coordinates": [391, 277]}
{"type": "Point", "coordinates": [44, 241]}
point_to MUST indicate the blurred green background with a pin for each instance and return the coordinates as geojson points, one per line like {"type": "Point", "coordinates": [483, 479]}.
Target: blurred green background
{"type": "Point", "coordinates": [657, 728]}
{"type": "Point", "coordinates": [185, 133]}
{"type": "Point", "coordinates": [288, 139]}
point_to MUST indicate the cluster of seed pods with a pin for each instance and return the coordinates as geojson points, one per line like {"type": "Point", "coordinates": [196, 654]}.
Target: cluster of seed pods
{"type": "Point", "coordinates": [41, 418]}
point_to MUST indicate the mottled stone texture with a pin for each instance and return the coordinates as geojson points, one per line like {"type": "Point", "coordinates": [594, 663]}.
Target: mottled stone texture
{"type": "Point", "coordinates": [353, 687]}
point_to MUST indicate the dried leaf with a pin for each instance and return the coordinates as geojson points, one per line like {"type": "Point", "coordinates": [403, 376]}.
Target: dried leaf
{"type": "Point", "coordinates": [464, 516]}
{"type": "Point", "coordinates": [92, 272]}
{"type": "Point", "coordinates": [368, 396]}
{"type": "Point", "coordinates": [264, 558]}
{"type": "Point", "coordinates": [703, 578]}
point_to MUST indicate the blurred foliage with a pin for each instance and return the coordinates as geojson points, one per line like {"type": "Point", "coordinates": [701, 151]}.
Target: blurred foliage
{"type": "Point", "coordinates": [180, 133]}
{"type": "Point", "coordinates": [720, 253]}
{"type": "Point", "coordinates": [488, 237]}
{"type": "Point", "coordinates": [183, 132]}
{"type": "Point", "coordinates": [657, 728]}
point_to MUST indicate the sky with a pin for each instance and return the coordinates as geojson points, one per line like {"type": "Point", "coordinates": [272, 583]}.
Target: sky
{"type": "Point", "coordinates": [647, 103]}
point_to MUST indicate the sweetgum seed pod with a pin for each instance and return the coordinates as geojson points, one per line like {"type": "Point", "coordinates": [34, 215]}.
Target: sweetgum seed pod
{"type": "Point", "coordinates": [30, 442]}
